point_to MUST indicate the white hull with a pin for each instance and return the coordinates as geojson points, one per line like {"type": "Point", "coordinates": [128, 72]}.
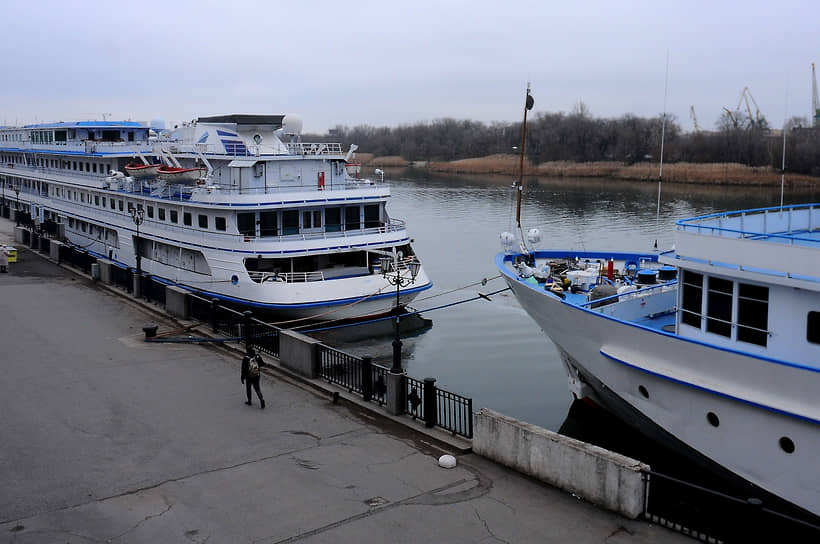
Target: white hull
{"type": "Point", "coordinates": [684, 380]}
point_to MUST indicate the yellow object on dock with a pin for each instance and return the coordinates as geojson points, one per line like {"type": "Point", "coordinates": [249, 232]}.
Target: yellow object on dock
{"type": "Point", "coordinates": [12, 254]}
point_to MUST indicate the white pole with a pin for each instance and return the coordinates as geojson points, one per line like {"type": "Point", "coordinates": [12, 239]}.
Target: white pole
{"type": "Point", "coordinates": [663, 135]}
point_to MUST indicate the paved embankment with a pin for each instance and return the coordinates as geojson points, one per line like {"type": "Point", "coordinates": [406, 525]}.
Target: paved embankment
{"type": "Point", "coordinates": [106, 438]}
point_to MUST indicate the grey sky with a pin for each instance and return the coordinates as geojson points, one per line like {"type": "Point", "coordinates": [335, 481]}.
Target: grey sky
{"type": "Point", "coordinates": [390, 63]}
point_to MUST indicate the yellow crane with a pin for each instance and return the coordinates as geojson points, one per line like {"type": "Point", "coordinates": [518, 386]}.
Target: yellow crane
{"type": "Point", "coordinates": [694, 118]}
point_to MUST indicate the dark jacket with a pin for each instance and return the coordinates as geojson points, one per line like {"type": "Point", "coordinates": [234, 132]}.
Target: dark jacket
{"type": "Point", "coordinates": [246, 363]}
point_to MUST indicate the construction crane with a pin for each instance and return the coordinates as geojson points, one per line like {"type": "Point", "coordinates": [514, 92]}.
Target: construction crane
{"type": "Point", "coordinates": [815, 102]}
{"type": "Point", "coordinates": [694, 118]}
{"type": "Point", "coordinates": [731, 116]}
{"type": "Point", "coordinates": [745, 95]}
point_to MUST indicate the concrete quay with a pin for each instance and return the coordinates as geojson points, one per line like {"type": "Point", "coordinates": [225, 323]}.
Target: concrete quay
{"type": "Point", "coordinates": [107, 438]}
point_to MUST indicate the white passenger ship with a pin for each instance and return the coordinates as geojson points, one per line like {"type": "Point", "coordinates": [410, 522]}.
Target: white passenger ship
{"type": "Point", "coordinates": [714, 347]}
{"type": "Point", "coordinates": [235, 207]}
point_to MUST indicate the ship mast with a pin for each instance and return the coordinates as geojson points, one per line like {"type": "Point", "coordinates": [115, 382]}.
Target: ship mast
{"type": "Point", "coordinates": [529, 102]}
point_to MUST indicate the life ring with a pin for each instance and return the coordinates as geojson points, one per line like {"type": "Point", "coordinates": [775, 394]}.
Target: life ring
{"type": "Point", "coordinates": [629, 265]}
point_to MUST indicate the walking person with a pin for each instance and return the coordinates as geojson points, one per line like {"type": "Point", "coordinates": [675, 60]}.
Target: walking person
{"type": "Point", "coordinates": [4, 259]}
{"type": "Point", "coordinates": [251, 363]}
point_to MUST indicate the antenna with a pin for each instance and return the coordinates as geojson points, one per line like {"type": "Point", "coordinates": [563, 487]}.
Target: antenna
{"type": "Point", "coordinates": [663, 135]}
{"type": "Point", "coordinates": [815, 102]}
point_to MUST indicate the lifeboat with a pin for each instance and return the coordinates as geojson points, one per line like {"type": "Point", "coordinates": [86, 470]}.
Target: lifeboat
{"type": "Point", "coordinates": [138, 170]}
{"type": "Point", "coordinates": [173, 174]}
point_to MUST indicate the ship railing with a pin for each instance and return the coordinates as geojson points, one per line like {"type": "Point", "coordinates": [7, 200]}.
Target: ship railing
{"type": "Point", "coordinates": [637, 293]}
{"type": "Point", "coordinates": [287, 277]}
{"type": "Point", "coordinates": [302, 148]}
{"type": "Point", "coordinates": [787, 224]}
{"type": "Point", "coordinates": [403, 264]}
{"type": "Point", "coordinates": [337, 184]}
{"type": "Point", "coordinates": [394, 225]}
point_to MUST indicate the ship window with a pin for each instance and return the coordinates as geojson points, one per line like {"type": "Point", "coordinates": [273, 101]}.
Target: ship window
{"type": "Point", "coordinates": [150, 212]}
{"type": "Point", "coordinates": [246, 223]}
{"type": "Point", "coordinates": [186, 218]}
{"type": "Point", "coordinates": [220, 223]}
{"type": "Point", "coordinates": [103, 202]}
{"type": "Point", "coordinates": [161, 214]}
{"type": "Point", "coordinates": [352, 218]}
{"type": "Point", "coordinates": [719, 307]}
{"type": "Point", "coordinates": [174, 216]}
{"type": "Point", "coordinates": [753, 314]}
{"type": "Point", "coordinates": [120, 205]}
{"type": "Point", "coordinates": [203, 221]}
{"type": "Point", "coordinates": [813, 327]}
{"type": "Point", "coordinates": [73, 165]}
{"type": "Point", "coordinates": [94, 167]}
{"type": "Point", "coordinates": [333, 219]}
{"type": "Point", "coordinates": [88, 167]}
{"type": "Point", "coordinates": [692, 298]}
{"type": "Point", "coordinates": [96, 200]}
{"type": "Point", "coordinates": [312, 219]}
{"type": "Point", "coordinates": [267, 224]}
{"type": "Point", "coordinates": [82, 197]}
{"type": "Point", "coordinates": [113, 204]}
{"type": "Point", "coordinates": [290, 222]}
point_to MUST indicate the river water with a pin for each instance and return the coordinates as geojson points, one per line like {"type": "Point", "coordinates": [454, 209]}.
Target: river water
{"type": "Point", "coordinates": [491, 350]}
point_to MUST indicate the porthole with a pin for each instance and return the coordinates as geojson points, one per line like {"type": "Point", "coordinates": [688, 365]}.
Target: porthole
{"type": "Point", "coordinates": [713, 419]}
{"type": "Point", "coordinates": [642, 390]}
{"type": "Point", "coordinates": [786, 444]}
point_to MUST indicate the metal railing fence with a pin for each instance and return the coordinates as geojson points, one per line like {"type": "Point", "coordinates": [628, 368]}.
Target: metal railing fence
{"type": "Point", "coordinates": [340, 368]}
{"type": "Point", "coordinates": [713, 516]}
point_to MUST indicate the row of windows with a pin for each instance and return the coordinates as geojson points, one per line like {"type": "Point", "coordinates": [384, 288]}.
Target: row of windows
{"type": "Point", "coordinates": [334, 219]}
{"type": "Point", "coordinates": [731, 309]}
{"type": "Point", "coordinates": [13, 137]}
{"type": "Point", "coordinates": [61, 164]}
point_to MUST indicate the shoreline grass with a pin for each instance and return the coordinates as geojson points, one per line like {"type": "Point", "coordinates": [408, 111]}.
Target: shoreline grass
{"type": "Point", "coordinates": [682, 172]}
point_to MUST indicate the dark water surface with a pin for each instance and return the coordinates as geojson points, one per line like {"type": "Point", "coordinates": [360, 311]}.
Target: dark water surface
{"type": "Point", "coordinates": [492, 351]}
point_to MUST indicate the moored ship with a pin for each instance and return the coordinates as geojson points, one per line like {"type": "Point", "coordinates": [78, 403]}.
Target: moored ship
{"type": "Point", "coordinates": [713, 347]}
{"type": "Point", "coordinates": [235, 207]}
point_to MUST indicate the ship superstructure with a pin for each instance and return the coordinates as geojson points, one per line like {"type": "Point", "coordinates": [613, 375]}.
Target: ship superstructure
{"type": "Point", "coordinates": [234, 206]}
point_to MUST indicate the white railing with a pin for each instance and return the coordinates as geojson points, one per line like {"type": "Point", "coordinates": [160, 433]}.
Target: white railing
{"type": "Point", "coordinates": [286, 277]}
{"type": "Point", "coordinates": [787, 224]}
{"type": "Point", "coordinates": [299, 148]}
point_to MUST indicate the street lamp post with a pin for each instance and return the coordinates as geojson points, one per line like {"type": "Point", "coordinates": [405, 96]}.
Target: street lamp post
{"type": "Point", "coordinates": [394, 277]}
{"type": "Point", "coordinates": [138, 216]}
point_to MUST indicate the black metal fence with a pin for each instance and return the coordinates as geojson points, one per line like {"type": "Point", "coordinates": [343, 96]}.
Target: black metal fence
{"type": "Point", "coordinates": [710, 515]}
{"type": "Point", "coordinates": [152, 290]}
{"type": "Point", "coordinates": [423, 400]}
{"type": "Point", "coordinates": [340, 368]}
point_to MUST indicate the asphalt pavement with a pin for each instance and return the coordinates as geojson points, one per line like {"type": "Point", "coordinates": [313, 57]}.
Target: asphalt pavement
{"type": "Point", "coordinates": [106, 438]}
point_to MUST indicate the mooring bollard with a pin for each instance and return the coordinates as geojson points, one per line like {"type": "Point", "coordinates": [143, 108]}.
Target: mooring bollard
{"type": "Point", "coordinates": [367, 378]}
{"type": "Point", "coordinates": [150, 330]}
{"type": "Point", "coordinates": [430, 413]}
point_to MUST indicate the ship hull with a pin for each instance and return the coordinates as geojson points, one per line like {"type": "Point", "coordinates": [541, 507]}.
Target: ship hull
{"type": "Point", "coordinates": [636, 373]}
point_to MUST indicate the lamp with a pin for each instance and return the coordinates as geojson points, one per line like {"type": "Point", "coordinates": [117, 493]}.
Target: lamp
{"type": "Point", "coordinates": [395, 277]}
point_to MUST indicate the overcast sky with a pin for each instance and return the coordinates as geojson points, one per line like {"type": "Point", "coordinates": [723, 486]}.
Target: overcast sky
{"type": "Point", "coordinates": [387, 63]}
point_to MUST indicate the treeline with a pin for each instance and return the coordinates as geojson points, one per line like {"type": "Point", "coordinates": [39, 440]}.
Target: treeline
{"type": "Point", "coordinates": [580, 137]}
